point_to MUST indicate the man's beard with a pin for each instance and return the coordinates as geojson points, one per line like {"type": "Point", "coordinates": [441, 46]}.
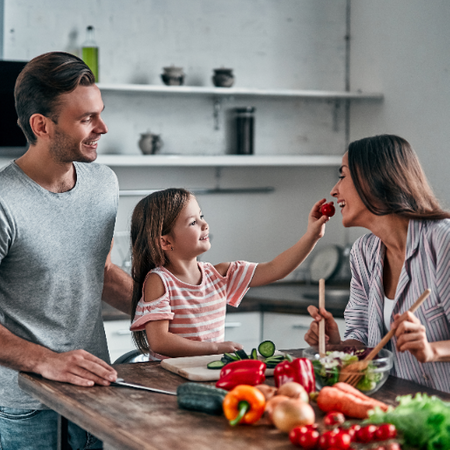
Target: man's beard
{"type": "Point", "coordinates": [66, 150]}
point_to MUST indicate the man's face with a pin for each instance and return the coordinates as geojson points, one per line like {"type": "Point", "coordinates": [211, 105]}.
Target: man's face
{"type": "Point", "coordinates": [79, 126]}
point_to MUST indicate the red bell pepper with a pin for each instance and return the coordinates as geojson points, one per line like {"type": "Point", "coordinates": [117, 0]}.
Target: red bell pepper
{"type": "Point", "coordinates": [299, 370]}
{"type": "Point", "coordinates": [246, 371]}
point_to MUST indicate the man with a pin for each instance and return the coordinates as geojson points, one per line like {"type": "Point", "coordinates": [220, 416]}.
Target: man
{"type": "Point", "coordinates": [57, 216]}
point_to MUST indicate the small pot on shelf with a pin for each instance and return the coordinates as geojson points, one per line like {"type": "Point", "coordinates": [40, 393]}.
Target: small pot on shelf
{"type": "Point", "coordinates": [223, 77]}
{"type": "Point", "coordinates": [173, 76]}
{"type": "Point", "coordinates": [150, 143]}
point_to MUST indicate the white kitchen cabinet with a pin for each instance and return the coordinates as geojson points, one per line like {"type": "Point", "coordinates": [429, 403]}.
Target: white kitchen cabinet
{"type": "Point", "coordinates": [119, 339]}
{"type": "Point", "coordinates": [287, 331]}
{"type": "Point", "coordinates": [244, 328]}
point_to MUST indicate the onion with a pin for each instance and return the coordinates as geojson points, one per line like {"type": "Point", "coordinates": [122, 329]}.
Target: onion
{"type": "Point", "coordinates": [268, 391]}
{"type": "Point", "coordinates": [294, 390]}
{"type": "Point", "coordinates": [272, 403]}
{"type": "Point", "coordinates": [292, 413]}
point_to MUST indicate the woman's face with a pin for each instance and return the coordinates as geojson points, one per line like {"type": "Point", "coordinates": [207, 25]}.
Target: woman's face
{"type": "Point", "coordinates": [354, 212]}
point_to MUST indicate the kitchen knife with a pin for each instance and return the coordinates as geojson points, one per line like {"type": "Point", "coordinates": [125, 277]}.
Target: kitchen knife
{"type": "Point", "coordinates": [121, 382]}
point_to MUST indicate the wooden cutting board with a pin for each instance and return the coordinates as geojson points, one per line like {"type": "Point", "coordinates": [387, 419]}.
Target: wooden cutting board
{"type": "Point", "coordinates": [194, 367]}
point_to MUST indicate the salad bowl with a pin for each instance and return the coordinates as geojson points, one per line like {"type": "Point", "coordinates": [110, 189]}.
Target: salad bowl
{"type": "Point", "coordinates": [329, 368]}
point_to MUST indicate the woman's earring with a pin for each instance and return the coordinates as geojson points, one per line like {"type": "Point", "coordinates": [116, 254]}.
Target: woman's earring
{"type": "Point", "coordinates": [171, 248]}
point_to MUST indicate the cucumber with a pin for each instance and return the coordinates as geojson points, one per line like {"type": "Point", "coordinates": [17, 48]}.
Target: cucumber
{"type": "Point", "coordinates": [232, 357]}
{"type": "Point", "coordinates": [242, 354]}
{"type": "Point", "coordinates": [215, 365]}
{"type": "Point", "coordinates": [201, 397]}
{"type": "Point", "coordinates": [254, 354]}
{"type": "Point", "coordinates": [266, 348]}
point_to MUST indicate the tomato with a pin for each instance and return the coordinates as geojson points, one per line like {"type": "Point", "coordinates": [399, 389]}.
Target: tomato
{"type": "Point", "coordinates": [385, 431]}
{"type": "Point", "coordinates": [352, 430]}
{"type": "Point", "coordinates": [305, 436]}
{"type": "Point", "coordinates": [327, 209]}
{"type": "Point", "coordinates": [334, 418]}
{"type": "Point", "coordinates": [366, 433]}
{"type": "Point", "coordinates": [326, 439]}
{"type": "Point", "coordinates": [342, 440]}
{"type": "Point", "coordinates": [310, 439]}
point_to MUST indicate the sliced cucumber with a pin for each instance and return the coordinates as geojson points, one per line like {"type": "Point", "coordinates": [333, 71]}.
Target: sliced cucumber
{"type": "Point", "coordinates": [266, 348]}
{"type": "Point", "coordinates": [232, 357]}
{"type": "Point", "coordinates": [215, 365]}
{"type": "Point", "coordinates": [241, 353]}
{"type": "Point", "coordinates": [254, 354]}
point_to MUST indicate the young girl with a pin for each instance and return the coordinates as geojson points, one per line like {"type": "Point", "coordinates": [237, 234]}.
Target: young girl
{"type": "Point", "coordinates": [179, 303]}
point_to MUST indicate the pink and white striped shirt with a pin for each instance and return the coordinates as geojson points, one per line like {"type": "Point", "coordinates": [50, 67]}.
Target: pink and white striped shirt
{"type": "Point", "coordinates": [427, 265]}
{"type": "Point", "coordinates": [197, 312]}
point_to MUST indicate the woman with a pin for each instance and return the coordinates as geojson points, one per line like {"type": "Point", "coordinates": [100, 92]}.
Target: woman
{"type": "Point", "coordinates": [382, 187]}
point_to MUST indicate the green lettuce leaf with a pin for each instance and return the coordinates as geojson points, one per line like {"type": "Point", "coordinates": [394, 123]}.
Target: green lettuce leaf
{"type": "Point", "coordinates": [424, 421]}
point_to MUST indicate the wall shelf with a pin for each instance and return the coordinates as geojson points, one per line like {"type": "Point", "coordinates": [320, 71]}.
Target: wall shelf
{"type": "Point", "coordinates": [219, 161]}
{"type": "Point", "coordinates": [242, 92]}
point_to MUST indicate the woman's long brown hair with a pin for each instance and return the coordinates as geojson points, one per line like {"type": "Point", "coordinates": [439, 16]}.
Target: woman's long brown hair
{"type": "Point", "coordinates": [389, 179]}
{"type": "Point", "coordinates": [154, 216]}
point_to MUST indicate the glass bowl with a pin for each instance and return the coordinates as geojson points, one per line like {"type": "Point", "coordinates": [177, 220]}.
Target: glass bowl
{"type": "Point", "coordinates": [328, 369]}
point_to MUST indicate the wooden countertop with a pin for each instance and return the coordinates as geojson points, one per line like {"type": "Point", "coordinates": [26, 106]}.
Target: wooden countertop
{"type": "Point", "coordinates": [288, 298]}
{"type": "Point", "coordinates": [126, 418]}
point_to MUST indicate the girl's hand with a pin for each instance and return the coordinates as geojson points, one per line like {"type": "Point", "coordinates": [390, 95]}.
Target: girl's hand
{"type": "Point", "coordinates": [411, 336]}
{"type": "Point", "coordinates": [228, 347]}
{"type": "Point", "coordinates": [317, 221]}
{"type": "Point", "coordinates": [332, 335]}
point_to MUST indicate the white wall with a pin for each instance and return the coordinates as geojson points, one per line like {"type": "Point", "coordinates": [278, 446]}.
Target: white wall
{"type": "Point", "coordinates": [401, 48]}
{"type": "Point", "coordinates": [291, 44]}
{"type": "Point", "coordinates": [398, 47]}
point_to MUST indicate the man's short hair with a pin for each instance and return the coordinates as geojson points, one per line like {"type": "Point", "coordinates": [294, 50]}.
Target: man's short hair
{"type": "Point", "coordinates": [42, 81]}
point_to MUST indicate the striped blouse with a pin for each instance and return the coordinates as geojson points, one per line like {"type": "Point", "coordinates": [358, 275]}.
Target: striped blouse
{"type": "Point", "coordinates": [427, 265]}
{"type": "Point", "coordinates": [197, 312]}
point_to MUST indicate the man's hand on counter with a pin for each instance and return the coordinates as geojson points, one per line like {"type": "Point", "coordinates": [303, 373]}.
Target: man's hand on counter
{"type": "Point", "coordinates": [76, 367]}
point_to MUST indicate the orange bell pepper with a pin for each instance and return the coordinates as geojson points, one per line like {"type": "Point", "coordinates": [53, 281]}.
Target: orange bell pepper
{"type": "Point", "coordinates": [244, 404]}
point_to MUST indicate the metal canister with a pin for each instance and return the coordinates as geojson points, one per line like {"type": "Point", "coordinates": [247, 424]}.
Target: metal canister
{"type": "Point", "coordinates": [245, 130]}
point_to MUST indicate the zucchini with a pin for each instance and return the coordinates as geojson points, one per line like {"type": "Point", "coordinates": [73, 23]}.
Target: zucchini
{"type": "Point", "coordinates": [215, 365]}
{"type": "Point", "coordinates": [266, 348]}
{"type": "Point", "coordinates": [201, 397]}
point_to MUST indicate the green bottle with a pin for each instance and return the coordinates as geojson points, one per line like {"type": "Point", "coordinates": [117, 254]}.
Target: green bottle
{"type": "Point", "coordinates": [90, 51]}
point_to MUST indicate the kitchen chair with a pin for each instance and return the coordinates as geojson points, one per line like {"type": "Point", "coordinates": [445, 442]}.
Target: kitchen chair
{"type": "Point", "coordinates": [133, 356]}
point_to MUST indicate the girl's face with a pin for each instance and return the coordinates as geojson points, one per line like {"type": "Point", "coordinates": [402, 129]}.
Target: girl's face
{"type": "Point", "coordinates": [354, 212]}
{"type": "Point", "coordinates": [190, 234]}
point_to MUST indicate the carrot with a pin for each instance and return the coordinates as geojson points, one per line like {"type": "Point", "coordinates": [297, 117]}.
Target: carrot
{"type": "Point", "coordinates": [349, 389]}
{"type": "Point", "coordinates": [349, 404]}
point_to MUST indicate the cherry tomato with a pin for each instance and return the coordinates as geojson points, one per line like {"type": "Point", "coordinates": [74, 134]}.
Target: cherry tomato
{"type": "Point", "coordinates": [305, 436]}
{"type": "Point", "coordinates": [327, 209]}
{"type": "Point", "coordinates": [326, 439]}
{"type": "Point", "coordinates": [352, 430]}
{"type": "Point", "coordinates": [342, 440]}
{"type": "Point", "coordinates": [334, 418]}
{"type": "Point", "coordinates": [309, 439]}
{"type": "Point", "coordinates": [366, 433]}
{"type": "Point", "coordinates": [386, 431]}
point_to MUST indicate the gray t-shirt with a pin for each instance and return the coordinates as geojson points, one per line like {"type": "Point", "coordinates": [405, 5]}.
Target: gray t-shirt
{"type": "Point", "coordinates": [53, 249]}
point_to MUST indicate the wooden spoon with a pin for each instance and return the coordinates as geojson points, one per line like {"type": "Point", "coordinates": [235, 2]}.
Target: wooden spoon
{"type": "Point", "coordinates": [351, 374]}
{"type": "Point", "coordinates": [322, 322]}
